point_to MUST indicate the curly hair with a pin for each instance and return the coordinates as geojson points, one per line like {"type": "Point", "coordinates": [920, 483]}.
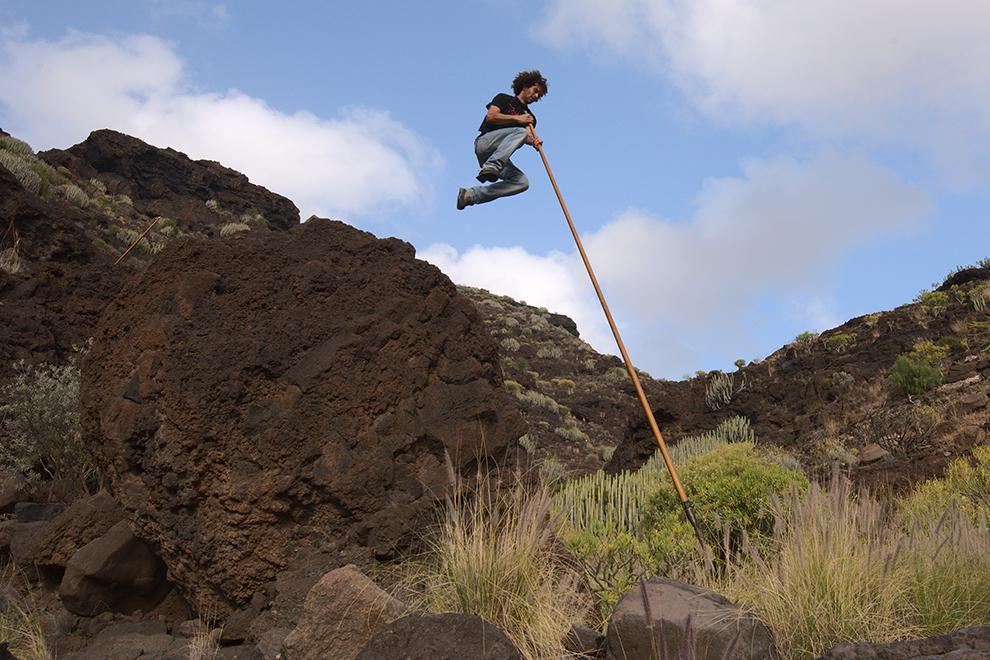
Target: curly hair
{"type": "Point", "coordinates": [526, 78]}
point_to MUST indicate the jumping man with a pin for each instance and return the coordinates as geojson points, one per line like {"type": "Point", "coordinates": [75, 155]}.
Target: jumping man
{"type": "Point", "coordinates": [504, 130]}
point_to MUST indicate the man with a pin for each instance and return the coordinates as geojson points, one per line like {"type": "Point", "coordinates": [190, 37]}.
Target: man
{"type": "Point", "coordinates": [504, 129]}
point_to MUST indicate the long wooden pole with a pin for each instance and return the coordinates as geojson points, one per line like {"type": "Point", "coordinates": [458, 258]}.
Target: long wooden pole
{"type": "Point", "coordinates": [685, 502]}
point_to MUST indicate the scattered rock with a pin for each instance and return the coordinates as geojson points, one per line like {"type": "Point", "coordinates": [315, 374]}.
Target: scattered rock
{"type": "Point", "coordinates": [132, 640]}
{"type": "Point", "coordinates": [13, 489]}
{"type": "Point", "coordinates": [340, 615]}
{"type": "Point", "coordinates": [584, 642]}
{"type": "Point", "coordinates": [683, 621]}
{"type": "Point", "coordinates": [965, 644]}
{"type": "Point", "coordinates": [27, 512]}
{"type": "Point", "coordinates": [116, 571]}
{"type": "Point", "coordinates": [872, 453]}
{"type": "Point", "coordinates": [439, 637]}
{"type": "Point", "coordinates": [54, 544]}
{"type": "Point", "coordinates": [320, 432]}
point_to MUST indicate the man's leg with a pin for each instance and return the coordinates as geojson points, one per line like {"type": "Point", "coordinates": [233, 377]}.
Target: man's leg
{"type": "Point", "coordinates": [494, 148]}
{"type": "Point", "coordinates": [513, 182]}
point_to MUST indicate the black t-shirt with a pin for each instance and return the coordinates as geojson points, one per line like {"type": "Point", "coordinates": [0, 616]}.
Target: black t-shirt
{"type": "Point", "coordinates": [507, 105]}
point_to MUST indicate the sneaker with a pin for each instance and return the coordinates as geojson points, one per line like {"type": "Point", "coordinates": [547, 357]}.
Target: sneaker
{"type": "Point", "coordinates": [462, 199]}
{"type": "Point", "coordinates": [487, 175]}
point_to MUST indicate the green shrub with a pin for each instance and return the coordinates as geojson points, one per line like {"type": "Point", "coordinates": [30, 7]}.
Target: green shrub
{"type": "Point", "coordinates": [914, 376]}
{"type": "Point", "coordinates": [40, 436]}
{"type": "Point", "coordinates": [15, 146]}
{"type": "Point", "coordinates": [732, 487]}
{"type": "Point", "coordinates": [22, 171]}
{"type": "Point", "coordinates": [232, 228]}
{"type": "Point", "coordinates": [571, 431]}
{"type": "Point", "coordinates": [840, 342]}
{"type": "Point", "coordinates": [527, 443]}
{"type": "Point", "coordinates": [254, 217]}
{"type": "Point", "coordinates": [928, 351]}
{"type": "Point", "coordinates": [806, 339]}
{"type": "Point", "coordinates": [965, 485]}
{"type": "Point", "coordinates": [565, 384]}
{"type": "Point", "coordinates": [616, 375]}
{"type": "Point", "coordinates": [73, 194]}
{"type": "Point", "coordinates": [550, 352]}
{"type": "Point", "coordinates": [740, 363]}
{"type": "Point", "coordinates": [935, 302]}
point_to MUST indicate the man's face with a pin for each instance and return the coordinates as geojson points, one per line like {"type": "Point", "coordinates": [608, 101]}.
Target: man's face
{"type": "Point", "coordinates": [532, 94]}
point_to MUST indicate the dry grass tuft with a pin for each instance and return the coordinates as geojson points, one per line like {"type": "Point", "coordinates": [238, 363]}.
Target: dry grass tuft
{"type": "Point", "coordinates": [495, 554]}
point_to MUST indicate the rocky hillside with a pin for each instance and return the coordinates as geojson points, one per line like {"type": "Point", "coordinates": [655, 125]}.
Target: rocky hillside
{"type": "Point", "coordinates": [828, 398]}
{"type": "Point", "coordinates": [66, 217]}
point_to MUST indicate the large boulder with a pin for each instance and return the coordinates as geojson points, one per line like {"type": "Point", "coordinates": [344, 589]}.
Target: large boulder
{"type": "Point", "coordinates": [341, 613]}
{"type": "Point", "coordinates": [282, 404]}
{"type": "Point", "coordinates": [669, 619]}
{"type": "Point", "coordinates": [446, 636]}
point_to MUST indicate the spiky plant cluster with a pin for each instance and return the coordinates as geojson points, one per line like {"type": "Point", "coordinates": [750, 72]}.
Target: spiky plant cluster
{"type": "Point", "coordinates": [613, 503]}
{"type": "Point", "coordinates": [719, 390]}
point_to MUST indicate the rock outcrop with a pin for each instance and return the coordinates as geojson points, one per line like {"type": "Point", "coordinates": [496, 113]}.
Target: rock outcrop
{"type": "Point", "coordinates": [669, 619]}
{"type": "Point", "coordinates": [57, 256]}
{"type": "Point", "coordinates": [168, 183]}
{"type": "Point", "coordinates": [445, 636]}
{"type": "Point", "coordinates": [271, 406]}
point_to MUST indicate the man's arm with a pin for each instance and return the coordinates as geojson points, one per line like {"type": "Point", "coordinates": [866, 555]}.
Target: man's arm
{"type": "Point", "coordinates": [496, 117]}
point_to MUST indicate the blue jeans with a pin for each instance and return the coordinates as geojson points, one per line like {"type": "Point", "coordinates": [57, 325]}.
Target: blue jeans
{"type": "Point", "coordinates": [493, 150]}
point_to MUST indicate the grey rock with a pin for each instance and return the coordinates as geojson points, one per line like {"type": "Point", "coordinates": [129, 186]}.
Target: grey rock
{"type": "Point", "coordinates": [673, 620]}
{"type": "Point", "coordinates": [439, 637]}
{"type": "Point", "coordinates": [37, 511]}
{"type": "Point", "coordinates": [13, 489]}
{"type": "Point", "coordinates": [964, 644]}
{"type": "Point", "coordinates": [341, 613]}
{"type": "Point", "coordinates": [585, 642]}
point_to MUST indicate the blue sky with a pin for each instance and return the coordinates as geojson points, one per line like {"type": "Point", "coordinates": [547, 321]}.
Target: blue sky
{"type": "Point", "coordinates": [741, 170]}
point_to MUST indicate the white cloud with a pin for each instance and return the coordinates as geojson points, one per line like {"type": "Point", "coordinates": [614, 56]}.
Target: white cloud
{"type": "Point", "coordinates": [56, 92]}
{"type": "Point", "coordinates": [780, 229]}
{"type": "Point", "coordinates": [556, 281]}
{"type": "Point", "coordinates": [904, 72]}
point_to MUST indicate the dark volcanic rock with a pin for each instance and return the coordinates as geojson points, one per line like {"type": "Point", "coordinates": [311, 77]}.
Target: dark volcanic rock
{"type": "Point", "coordinates": [965, 644]}
{"type": "Point", "coordinates": [116, 571]}
{"type": "Point", "coordinates": [166, 182]}
{"type": "Point", "coordinates": [683, 621]}
{"type": "Point", "coordinates": [439, 637]}
{"type": "Point", "coordinates": [55, 301]}
{"type": "Point", "coordinates": [270, 406]}
{"type": "Point", "coordinates": [55, 543]}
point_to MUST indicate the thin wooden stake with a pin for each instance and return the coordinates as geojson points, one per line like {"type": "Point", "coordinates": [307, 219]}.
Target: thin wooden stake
{"type": "Point", "coordinates": [128, 250]}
